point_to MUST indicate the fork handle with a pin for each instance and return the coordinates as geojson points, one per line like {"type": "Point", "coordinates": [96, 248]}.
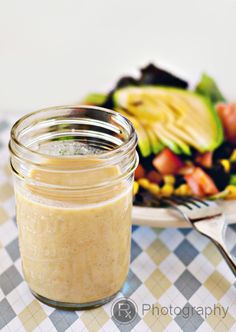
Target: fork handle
{"type": "Point", "coordinates": [226, 255]}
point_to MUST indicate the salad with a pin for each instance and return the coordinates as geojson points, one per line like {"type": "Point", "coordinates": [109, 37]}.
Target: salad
{"type": "Point", "coordinates": [186, 137]}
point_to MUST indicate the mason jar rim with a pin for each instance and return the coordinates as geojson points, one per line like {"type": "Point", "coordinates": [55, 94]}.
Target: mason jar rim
{"type": "Point", "coordinates": [129, 143]}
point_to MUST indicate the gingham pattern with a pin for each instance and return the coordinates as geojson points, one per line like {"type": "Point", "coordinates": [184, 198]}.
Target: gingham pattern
{"type": "Point", "coordinates": [174, 267]}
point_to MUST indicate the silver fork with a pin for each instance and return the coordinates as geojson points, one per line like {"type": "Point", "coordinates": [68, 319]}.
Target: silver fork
{"type": "Point", "coordinates": [207, 218]}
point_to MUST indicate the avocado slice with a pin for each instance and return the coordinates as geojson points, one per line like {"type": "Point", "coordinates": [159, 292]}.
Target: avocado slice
{"type": "Point", "coordinates": [180, 119]}
{"type": "Point", "coordinates": [144, 143]}
{"type": "Point", "coordinates": [156, 144]}
{"type": "Point", "coordinates": [171, 140]}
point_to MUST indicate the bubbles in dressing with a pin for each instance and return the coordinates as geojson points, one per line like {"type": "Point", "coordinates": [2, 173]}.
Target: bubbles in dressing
{"type": "Point", "coordinates": [68, 148]}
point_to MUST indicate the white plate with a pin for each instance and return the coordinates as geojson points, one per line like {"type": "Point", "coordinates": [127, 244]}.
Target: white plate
{"type": "Point", "coordinates": [166, 217]}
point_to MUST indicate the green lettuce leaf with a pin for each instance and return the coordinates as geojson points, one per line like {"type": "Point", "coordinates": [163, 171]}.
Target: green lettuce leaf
{"type": "Point", "coordinates": [208, 88]}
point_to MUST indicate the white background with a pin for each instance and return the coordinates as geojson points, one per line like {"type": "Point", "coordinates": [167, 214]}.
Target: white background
{"type": "Point", "coordinates": [55, 51]}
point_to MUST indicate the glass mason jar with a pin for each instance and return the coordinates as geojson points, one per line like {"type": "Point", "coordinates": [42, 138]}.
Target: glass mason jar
{"type": "Point", "coordinates": [73, 177]}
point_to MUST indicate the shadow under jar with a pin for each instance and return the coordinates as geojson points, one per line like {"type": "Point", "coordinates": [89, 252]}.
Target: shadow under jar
{"type": "Point", "coordinates": [73, 173]}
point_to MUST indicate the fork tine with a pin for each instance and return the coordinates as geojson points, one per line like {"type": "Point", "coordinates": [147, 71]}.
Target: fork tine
{"type": "Point", "coordinates": [189, 200]}
{"type": "Point", "coordinates": [177, 200]}
{"type": "Point", "coordinates": [201, 201]}
{"type": "Point", "coordinates": [195, 202]}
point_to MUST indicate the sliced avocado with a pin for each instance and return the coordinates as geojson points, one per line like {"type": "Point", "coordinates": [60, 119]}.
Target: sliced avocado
{"type": "Point", "coordinates": [181, 119]}
{"type": "Point", "coordinates": [143, 139]}
{"type": "Point", "coordinates": [169, 143]}
{"type": "Point", "coordinates": [171, 140]}
{"type": "Point", "coordinates": [156, 144]}
{"type": "Point", "coordinates": [183, 135]}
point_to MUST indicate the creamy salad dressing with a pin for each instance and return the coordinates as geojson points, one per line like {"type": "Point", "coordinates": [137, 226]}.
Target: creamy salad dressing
{"type": "Point", "coordinates": [75, 249]}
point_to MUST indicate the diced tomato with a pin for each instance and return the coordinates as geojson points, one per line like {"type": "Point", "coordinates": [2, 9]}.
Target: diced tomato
{"type": "Point", "coordinates": [201, 183]}
{"type": "Point", "coordinates": [166, 162]}
{"type": "Point", "coordinates": [186, 169]}
{"type": "Point", "coordinates": [154, 177]}
{"type": "Point", "coordinates": [194, 185]}
{"type": "Point", "coordinates": [205, 159]}
{"type": "Point", "coordinates": [227, 113]}
{"type": "Point", "coordinates": [139, 172]}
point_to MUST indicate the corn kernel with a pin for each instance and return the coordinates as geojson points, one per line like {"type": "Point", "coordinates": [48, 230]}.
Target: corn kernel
{"type": "Point", "coordinates": [154, 189]}
{"type": "Point", "coordinates": [167, 190]}
{"type": "Point", "coordinates": [144, 183]}
{"type": "Point", "coordinates": [233, 156]}
{"type": "Point", "coordinates": [177, 192]}
{"type": "Point", "coordinates": [183, 190]}
{"type": "Point", "coordinates": [169, 179]}
{"type": "Point", "coordinates": [135, 188]}
{"type": "Point", "coordinates": [226, 164]}
{"type": "Point", "coordinates": [231, 191]}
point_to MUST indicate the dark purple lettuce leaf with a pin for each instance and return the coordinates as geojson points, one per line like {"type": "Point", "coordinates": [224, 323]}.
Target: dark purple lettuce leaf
{"type": "Point", "coordinates": [152, 75]}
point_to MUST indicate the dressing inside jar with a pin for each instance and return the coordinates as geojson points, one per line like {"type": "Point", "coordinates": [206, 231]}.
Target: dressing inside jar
{"type": "Point", "coordinates": [73, 177]}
